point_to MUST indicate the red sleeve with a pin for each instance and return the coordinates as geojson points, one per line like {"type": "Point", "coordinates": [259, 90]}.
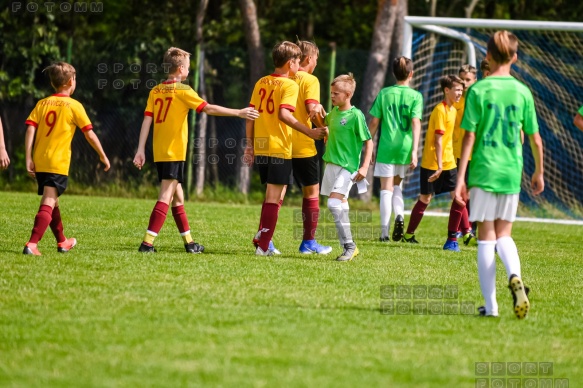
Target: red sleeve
{"type": "Point", "coordinates": [201, 106]}
{"type": "Point", "coordinates": [291, 108]}
{"type": "Point", "coordinates": [30, 122]}
{"type": "Point", "coordinates": [151, 114]}
{"type": "Point", "coordinates": [440, 132]}
{"type": "Point", "coordinates": [87, 128]}
{"type": "Point", "coordinates": [312, 102]}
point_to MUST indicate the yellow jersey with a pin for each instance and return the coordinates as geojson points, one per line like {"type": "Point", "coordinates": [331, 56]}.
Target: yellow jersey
{"type": "Point", "coordinates": [302, 145]}
{"type": "Point", "coordinates": [55, 119]}
{"type": "Point", "coordinates": [458, 132]}
{"type": "Point", "coordinates": [273, 137]}
{"type": "Point", "coordinates": [442, 122]}
{"type": "Point", "coordinates": [168, 105]}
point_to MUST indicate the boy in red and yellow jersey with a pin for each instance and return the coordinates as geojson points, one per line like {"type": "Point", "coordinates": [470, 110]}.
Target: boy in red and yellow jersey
{"type": "Point", "coordinates": [167, 107]}
{"type": "Point", "coordinates": [53, 121]}
{"type": "Point", "coordinates": [269, 139]}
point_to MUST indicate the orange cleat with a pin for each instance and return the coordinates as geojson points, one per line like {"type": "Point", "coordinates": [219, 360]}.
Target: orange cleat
{"type": "Point", "coordinates": [66, 245]}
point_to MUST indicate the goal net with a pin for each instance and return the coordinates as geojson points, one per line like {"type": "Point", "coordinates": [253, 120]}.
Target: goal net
{"type": "Point", "coordinates": [550, 63]}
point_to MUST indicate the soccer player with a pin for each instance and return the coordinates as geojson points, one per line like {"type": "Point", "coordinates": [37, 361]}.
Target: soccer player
{"type": "Point", "coordinates": [348, 132]}
{"type": "Point", "coordinates": [305, 161]}
{"type": "Point", "coordinates": [4, 159]}
{"type": "Point", "coordinates": [578, 119]}
{"type": "Point", "coordinates": [468, 74]}
{"type": "Point", "coordinates": [399, 108]}
{"type": "Point", "coordinates": [48, 154]}
{"type": "Point", "coordinates": [438, 168]}
{"type": "Point", "coordinates": [167, 107]}
{"type": "Point", "coordinates": [496, 109]}
{"type": "Point", "coordinates": [269, 138]}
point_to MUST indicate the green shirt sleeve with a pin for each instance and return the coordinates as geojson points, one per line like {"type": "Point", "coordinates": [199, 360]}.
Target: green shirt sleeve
{"type": "Point", "coordinates": [471, 112]}
{"type": "Point", "coordinates": [361, 129]}
{"type": "Point", "coordinates": [376, 109]}
{"type": "Point", "coordinates": [581, 111]}
{"type": "Point", "coordinates": [417, 108]}
{"type": "Point", "coordinates": [530, 124]}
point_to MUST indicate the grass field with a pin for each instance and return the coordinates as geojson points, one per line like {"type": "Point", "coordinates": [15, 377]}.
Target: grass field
{"type": "Point", "coordinates": [106, 315]}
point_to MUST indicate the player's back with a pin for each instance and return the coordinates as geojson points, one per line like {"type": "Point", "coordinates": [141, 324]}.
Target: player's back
{"type": "Point", "coordinates": [168, 105]}
{"type": "Point", "coordinates": [272, 136]}
{"type": "Point", "coordinates": [56, 118]}
{"type": "Point", "coordinates": [309, 93]}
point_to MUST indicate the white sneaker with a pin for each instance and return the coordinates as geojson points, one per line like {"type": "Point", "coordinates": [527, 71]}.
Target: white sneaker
{"type": "Point", "coordinates": [260, 252]}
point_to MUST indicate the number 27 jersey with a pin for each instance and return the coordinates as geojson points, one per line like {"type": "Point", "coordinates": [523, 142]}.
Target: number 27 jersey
{"type": "Point", "coordinates": [272, 137]}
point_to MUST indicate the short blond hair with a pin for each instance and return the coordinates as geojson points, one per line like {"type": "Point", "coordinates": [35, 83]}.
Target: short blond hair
{"type": "Point", "coordinates": [175, 57]}
{"type": "Point", "coordinates": [283, 52]}
{"type": "Point", "coordinates": [347, 81]}
{"type": "Point", "coordinates": [308, 49]}
{"type": "Point", "coordinates": [60, 73]}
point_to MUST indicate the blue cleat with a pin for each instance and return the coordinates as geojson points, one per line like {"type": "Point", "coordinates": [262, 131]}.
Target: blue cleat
{"type": "Point", "coordinates": [308, 247]}
{"type": "Point", "coordinates": [451, 245]}
{"type": "Point", "coordinates": [273, 249]}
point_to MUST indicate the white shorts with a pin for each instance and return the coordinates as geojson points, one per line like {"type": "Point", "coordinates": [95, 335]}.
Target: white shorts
{"type": "Point", "coordinates": [486, 206]}
{"type": "Point", "coordinates": [384, 170]}
{"type": "Point", "coordinates": [336, 180]}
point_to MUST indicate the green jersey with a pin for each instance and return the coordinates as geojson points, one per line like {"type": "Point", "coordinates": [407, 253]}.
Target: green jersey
{"type": "Point", "coordinates": [581, 111]}
{"type": "Point", "coordinates": [348, 130]}
{"type": "Point", "coordinates": [497, 108]}
{"type": "Point", "coordinates": [396, 106]}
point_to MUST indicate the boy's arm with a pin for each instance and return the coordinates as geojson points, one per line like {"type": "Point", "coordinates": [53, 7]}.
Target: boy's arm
{"type": "Point", "coordinates": [438, 145]}
{"type": "Point", "coordinates": [91, 137]}
{"type": "Point", "coordinates": [288, 118]}
{"type": "Point", "coordinates": [317, 114]}
{"type": "Point", "coordinates": [578, 121]}
{"type": "Point", "coordinates": [416, 125]}
{"type": "Point", "coordinates": [248, 113]}
{"type": "Point", "coordinates": [373, 126]}
{"type": "Point", "coordinates": [461, 191]}
{"type": "Point", "coordinates": [4, 159]}
{"type": "Point", "coordinates": [28, 141]}
{"type": "Point", "coordinates": [249, 140]}
{"type": "Point", "coordinates": [537, 182]}
{"type": "Point", "coordinates": [361, 173]}
{"type": "Point", "coordinates": [140, 157]}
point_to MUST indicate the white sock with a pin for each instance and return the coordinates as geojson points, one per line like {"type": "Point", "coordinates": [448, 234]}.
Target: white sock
{"type": "Point", "coordinates": [341, 220]}
{"type": "Point", "coordinates": [509, 255]}
{"type": "Point", "coordinates": [487, 275]}
{"type": "Point", "coordinates": [346, 222]}
{"type": "Point", "coordinates": [398, 202]}
{"type": "Point", "coordinates": [385, 205]}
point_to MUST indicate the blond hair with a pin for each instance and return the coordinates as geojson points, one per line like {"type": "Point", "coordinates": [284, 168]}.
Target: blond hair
{"type": "Point", "coordinates": [502, 46]}
{"type": "Point", "coordinates": [175, 57]}
{"type": "Point", "coordinates": [347, 81]}
{"type": "Point", "coordinates": [283, 52]}
{"type": "Point", "coordinates": [60, 73]}
{"type": "Point", "coordinates": [468, 69]}
{"type": "Point", "coordinates": [308, 49]}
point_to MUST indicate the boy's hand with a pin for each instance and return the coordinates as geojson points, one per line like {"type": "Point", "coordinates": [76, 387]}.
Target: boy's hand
{"type": "Point", "coordinates": [4, 159]}
{"type": "Point", "coordinates": [413, 164]}
{"type": "Point", "coordinates": [30, 168]}
{"type": "Point", "coordinates": [248, 156]}
{"type": "Point", "coordinates": [435, 175]}
{"type": "Point", "coordinates": [461, 193]}
{"type": "Point", "coordinates": [139, 159]}
{"type": "Point", "coordinates": [319, 133]}
{"type": "Point", "coordinates": [360, 174]}
{"type": "Point", "coordinates": [248, 113]}
{"type": "Point", "coordinates": [317, 115]}
{"type": "Point", "coordinates": [105, 161]}
{"type": "Point", "coordinates": [537, 183]}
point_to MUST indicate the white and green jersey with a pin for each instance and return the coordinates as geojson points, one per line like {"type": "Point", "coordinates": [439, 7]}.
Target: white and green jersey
{"type": "Point", "coordinates": [396, 106]}
{"type": "Point", "coordinates": [348, 130]}
{"type": "Point", "coordinates": [497, 108]}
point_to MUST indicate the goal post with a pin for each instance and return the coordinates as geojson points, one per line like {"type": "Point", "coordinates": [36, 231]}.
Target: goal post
{"type": "Point", "coordinates": [550, 63]}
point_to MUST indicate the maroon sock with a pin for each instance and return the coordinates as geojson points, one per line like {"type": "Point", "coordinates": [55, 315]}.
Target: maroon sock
{"type": "Point", "coordinates": [455, 216]}
{"type": "Point", "coordinates": [262, 208]}
{"type": "Point", "coordinates": [158, 217]}
{"type": "Point", "coordinates": [416, 216]}
{"type": "Point", "coordinates": [41, 223]}
{"type": "Point", "coordinates": [57, 225]}
{"type": "Point", "coordinates": [268, 221]}
{"type": "Point", "coordinates": [465, 225]}
{"type": "Point", "coordinates": [310, 213]}
{"type": "Point", "coordinates": [180, 217]}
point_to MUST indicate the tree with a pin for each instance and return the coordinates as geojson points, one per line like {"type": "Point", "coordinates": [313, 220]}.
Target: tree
{"type": "Point", "coordinates": [257, 70]}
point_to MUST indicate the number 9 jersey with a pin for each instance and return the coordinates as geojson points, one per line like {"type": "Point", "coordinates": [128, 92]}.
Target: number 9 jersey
{"type": "Point", "coordinates": [497, 108]}
{"type": "Point", "coordinates": [273, 137]}
{"type": "Point", "coordinates": [168, 105]}
{"type": "Point", "coordinates": [55, 119]}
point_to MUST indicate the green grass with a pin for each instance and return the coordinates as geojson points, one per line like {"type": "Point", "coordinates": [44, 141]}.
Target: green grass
{"type": "Point", "coordinates": [105, 315]}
